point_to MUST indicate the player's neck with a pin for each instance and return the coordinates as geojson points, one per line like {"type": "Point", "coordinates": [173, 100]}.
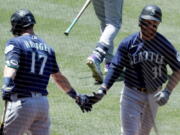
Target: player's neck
{"type": "Point", "coordinates": [28, 33]}
{"type": "Point", "coordinates": [146, 37]}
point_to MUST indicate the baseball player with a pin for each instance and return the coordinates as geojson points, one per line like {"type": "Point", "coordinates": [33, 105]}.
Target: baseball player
{"type": "Point", "coordinates": [28, 66]}
{"type": "Point", "coordinates": [110, 15]}
{"type": "Point", "coordinates": [145, 56]}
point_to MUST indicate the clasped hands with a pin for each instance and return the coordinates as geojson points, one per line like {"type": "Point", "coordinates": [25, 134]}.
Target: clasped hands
{"type": "Point", "coordinates": [86, 102]}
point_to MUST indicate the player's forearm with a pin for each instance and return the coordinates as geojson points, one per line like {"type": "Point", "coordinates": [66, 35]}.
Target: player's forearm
{"type": "Point", "coordinates": [173, 80]}
{"type": "Point", "coordinates": [62, 82]}
{"type": "Point", "coordinates": [9, 72]}
{"type": "Point", "coordinates": [111, 77]}
{"type": "Point", "coordinates": [8, 83]}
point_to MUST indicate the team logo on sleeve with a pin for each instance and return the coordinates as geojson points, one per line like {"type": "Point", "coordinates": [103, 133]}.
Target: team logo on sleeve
{"type": "Point", "coordinates": [8, 48]}
{"type": "Point", "coordinates": [12, 63]}
{"type": "Point", "coordinates": [178, 56]}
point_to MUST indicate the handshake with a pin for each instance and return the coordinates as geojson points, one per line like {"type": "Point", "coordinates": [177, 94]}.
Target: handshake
{"type": "Point", "coordinates": [85, 102]}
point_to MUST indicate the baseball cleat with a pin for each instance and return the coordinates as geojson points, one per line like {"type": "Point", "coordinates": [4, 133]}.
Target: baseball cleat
{"type": "Point", "coordinates": [96, 70]}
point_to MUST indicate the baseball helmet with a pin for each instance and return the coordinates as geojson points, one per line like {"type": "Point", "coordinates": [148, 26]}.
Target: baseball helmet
{"type": "Point", "coordinates": [21, 20]}
{"type": "Point", "coordinates": [151, 12]}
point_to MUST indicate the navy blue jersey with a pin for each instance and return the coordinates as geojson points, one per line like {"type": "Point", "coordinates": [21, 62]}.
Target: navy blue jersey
{"type": "Point", "coordinates": [34, 60]}
{"type": "Point", "coordinates": [145, 62]}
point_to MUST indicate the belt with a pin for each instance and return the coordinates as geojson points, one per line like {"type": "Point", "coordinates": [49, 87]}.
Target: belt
{"type": "Point", "coordinates": [139, 89]}
{"type": "Point", "coordinates": [32, 94]}
{"type": "Point", "coordinates": [142, 90]}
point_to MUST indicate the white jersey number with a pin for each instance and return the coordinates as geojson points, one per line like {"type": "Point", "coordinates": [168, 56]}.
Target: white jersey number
{"type": "Point", "coordinates": [33, 63]}
{"type": "Point", "coordinates": [157, 71]}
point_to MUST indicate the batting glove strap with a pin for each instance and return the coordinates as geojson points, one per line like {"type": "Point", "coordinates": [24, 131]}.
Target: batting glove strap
{"type": "Point", "coordinates": [72, 93]}
{"type": "Point", "coordinates": [167, 91]}
{"type": "Point", "coordinates": [8, 84]}
{"type": "Point", "coordinates": [6, 96]}
{"type": "Point", "coordinates": [7, 89]}
{"type": "Point", "coordinates": [162, 97]}
{"type": "Point", "coordinates": [97, 96]}
{"type": "Point", "coordinates": [102, 90]}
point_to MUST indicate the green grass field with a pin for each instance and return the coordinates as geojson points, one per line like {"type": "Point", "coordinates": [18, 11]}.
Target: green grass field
{"type": "Point", "coordinates": [53, 17]}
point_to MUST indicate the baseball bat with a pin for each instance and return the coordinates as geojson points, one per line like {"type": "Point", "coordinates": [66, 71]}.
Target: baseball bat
{"type": "Point", "coordinates": [86, 4]}
{"type": "Point", "coordinates": [3, 118]}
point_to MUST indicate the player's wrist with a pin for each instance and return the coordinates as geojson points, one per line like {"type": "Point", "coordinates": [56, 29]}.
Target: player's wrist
{"type": "Point", "coordinates": [167, 91]}
{"type": "Point", "coordinates": [102, 90]}
{"type": "Point", "coordinates": [8, 84]}
{"type": "Point", "coordinates": [8, 81]}
{"type": "Point", "coordinates": [72, 93]}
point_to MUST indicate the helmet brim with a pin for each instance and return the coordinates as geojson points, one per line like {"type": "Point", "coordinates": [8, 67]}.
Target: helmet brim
{"type": "Point", "coordinates": [147, 17]}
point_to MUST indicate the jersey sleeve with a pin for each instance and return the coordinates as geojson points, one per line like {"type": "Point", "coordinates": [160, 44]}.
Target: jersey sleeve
{"type": "Point", "coordinates": [117, 64]}
{"type": "Point", "coordinates": [174, 60]}
{"type": "Point", "coordinates": [173, 57]}
{"type": "Point", "coordinates": [12, 54]}
{"type": "Point", "coordinates": [55, 67]}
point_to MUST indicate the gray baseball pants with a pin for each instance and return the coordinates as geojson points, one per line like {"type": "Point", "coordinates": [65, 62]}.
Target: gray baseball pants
{"type": "Point", "coordinates": [28, 114]}
{"type": "Point", "coordinates": [138, 111]}
{"type": "Point", "coordinates": [109, 12]}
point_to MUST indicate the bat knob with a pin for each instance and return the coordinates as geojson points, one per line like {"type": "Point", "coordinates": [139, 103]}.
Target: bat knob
{"type": "Point", "coordinates": [66, 33]}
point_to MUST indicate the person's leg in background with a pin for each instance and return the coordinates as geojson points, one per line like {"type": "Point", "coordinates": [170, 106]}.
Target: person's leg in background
{"type": "Point", "coordinates": [110, 15]}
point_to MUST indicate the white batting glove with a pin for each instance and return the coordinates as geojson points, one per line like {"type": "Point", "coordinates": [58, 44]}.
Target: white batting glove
{"type": "Point", "coordinates": [162, 97]}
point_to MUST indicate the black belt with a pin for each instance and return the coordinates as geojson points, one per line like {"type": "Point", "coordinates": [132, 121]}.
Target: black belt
{"type": "Point", "coordinates": [139, 89]}
{"type": "Point", "coordinates": [142, 90]}
{"type": "Point", "coordinates": [23, 96]}
{"type": "Point", "coordinates": [30, 95]}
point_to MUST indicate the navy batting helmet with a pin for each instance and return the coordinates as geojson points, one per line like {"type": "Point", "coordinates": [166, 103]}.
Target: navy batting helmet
{"type": "Point", "coordinates": [21, 20]}
{"type": "Point", "coordinates": [151, 12]}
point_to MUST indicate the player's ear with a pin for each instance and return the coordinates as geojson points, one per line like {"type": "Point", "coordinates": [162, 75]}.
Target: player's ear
{"type": "Point", "coordinates": [140, 22]}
